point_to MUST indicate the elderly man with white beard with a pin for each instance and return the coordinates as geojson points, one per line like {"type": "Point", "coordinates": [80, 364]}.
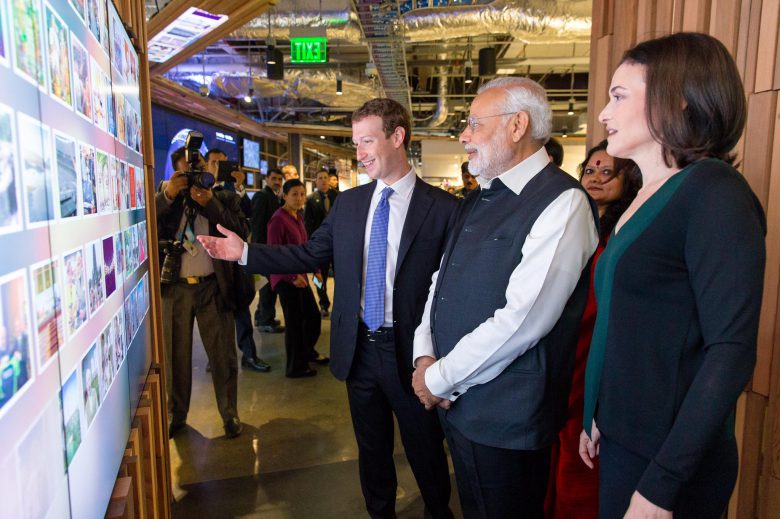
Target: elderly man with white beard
{"type": "Point", "coordinates": [518, 258]}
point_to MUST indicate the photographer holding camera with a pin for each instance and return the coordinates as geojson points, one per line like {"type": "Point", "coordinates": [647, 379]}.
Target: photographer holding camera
{"type": "Point", "coordinates": [196, 286]}
{"type": "Point", "coordinates": [230, 178]}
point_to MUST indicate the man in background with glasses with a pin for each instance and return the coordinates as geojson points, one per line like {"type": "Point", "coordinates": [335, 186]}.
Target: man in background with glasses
{"type": "Point", "coordinates": [517, 258]}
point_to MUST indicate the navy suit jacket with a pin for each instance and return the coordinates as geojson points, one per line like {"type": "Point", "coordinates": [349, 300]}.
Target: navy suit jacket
{"type": "Point", "coordinates": [341, 236]}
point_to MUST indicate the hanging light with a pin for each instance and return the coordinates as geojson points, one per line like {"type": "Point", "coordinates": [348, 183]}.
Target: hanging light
{"type": "Point", "coordinates": [339, 90]}
{"type": "Point", "coordinates": [249, 95]}
{"type": "Point", "coordinates": [565, 133]}
{"type": "Point", "coordinates": [571, 106]}
{"type": "Point", "coordinates": [571, 94]}
{"type": "Point", "coordinates": [467, 73]}
{"type": "Point", "coordinates": [463, 118]}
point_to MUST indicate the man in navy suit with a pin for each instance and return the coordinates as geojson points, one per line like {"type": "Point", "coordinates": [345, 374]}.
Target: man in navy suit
{"type": "Point", "coordinates": [386, 239]}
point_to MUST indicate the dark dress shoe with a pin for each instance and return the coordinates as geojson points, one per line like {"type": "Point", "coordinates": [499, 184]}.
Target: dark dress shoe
{"type": "Point", "coordinates": [321, 360]}
{"type": "Point", "coordinates": [233, 428]}
{"type": "Point", "coordinates": [308, 373]}
{"type": "Point", "coordinates": [175, 427]}
{"type": "Point", "coordinates": [271, 328]}
{"type": "Point", "coordinates": [256, 364]}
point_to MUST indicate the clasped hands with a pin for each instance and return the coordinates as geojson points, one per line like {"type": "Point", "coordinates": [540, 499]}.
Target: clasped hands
{"type": "Point", "coordinates": [428, 399]}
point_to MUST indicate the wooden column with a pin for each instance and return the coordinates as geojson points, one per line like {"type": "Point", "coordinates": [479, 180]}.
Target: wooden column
{"type": "Point", "coordinates": [750, 30]}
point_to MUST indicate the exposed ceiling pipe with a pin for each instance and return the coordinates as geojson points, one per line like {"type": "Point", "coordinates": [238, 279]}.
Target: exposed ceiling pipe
{"type": "Point", "coordinates": [529, 21]}
{"type": "Point", "coordinates": [442, 109]}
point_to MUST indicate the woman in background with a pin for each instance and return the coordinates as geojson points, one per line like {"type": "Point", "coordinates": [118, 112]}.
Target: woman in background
{"type": "Point", "coordinates": [573, 492]}
{"type": "Point", "coordinates": [301, 313]}
{"type": "Point", "coordinates": [678, 287]}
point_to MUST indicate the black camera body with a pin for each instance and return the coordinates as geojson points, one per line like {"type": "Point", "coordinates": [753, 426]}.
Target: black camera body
{"type": "Point", "coordinates": [173, 249]}
{"type": "Point", "coordinates": [196, 176]}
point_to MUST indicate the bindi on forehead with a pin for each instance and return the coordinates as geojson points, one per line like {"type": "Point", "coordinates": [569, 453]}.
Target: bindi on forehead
{"type": "Point", "coordinates": [598, 163]}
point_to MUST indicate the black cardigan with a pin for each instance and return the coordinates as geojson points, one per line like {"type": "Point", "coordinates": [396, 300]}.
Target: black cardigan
{"type": "Point", "coordinates": [679, 294]}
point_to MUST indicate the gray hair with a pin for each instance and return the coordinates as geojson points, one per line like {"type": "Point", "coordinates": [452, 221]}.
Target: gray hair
{"type": "Point", "coordinates": [525, 95]}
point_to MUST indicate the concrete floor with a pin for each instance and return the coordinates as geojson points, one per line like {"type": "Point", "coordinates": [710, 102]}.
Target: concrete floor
{"type": "Point", "coordinates": [296, 458]}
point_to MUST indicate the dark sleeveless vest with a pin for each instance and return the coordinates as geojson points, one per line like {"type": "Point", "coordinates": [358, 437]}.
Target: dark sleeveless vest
{"type": "Point", "coordinates": [524, 407]}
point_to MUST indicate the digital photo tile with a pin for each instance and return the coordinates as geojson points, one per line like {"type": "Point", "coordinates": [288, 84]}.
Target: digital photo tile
{"type": "Point", "coordinates": [78, 6]}
{"type": "Point", "coordinates": [140, 200]}
{"type": "Point", "coordinates": [27, 45]}
{"type": "Point", "coordinates": [109, 265]}
{"type": "Point", "coordinates": [129, 130]}
{"type": "Point", "coordinates": [72, 415]}
{"type": "Point", "coordinates": [95, 289]}
{"type": "Point", "coordinates": [111, 111]}
{"type": "Point", "coordinates": [3, 36]}
{"type": "Point", "coordinates": [67, 175]}
{"type": "Point", "coordinates": [101, 89]}
{"type": "Point", "coordinates": [134, 243]}
{"type": "Point", "coordinates": [129, 253]}
{"type": "Point", "coordinates": [124, 193]}
{"type": "Point", "coordinates": [106, 362]}
{"type": "Point", "coordinates": [74, 291]}
{"type": "Point", "coordinates": [58, 50]}
{"type": "Point", "coordinates": [131, 184]}
{"type": "Point", "coordinates": [120, 117]}
{"type": "Point", "coordinates": [116, 190]}
{"type": "Point", "coordinates": [36, 169]}
{"type": "Point", "coordinates": [15, 342]}
{"type": "Point", "coordinates": [47, 310]}
{"type": "Point", "coordinates": [102, 182]}
{"type": "Point", "coordinates": [117, 34]}
{"type": "Point", "coordinates": [88, 180]}
{"type": "Point", "coordinates": [82, 82]}
{"type": "Point", "coordinates": [40, 466]}
{"type": "Point", "coordinates": [93, 17]}
{"type": "Point", "coordinates": [90, 377]}
{"type": "Point", "coordinates": [129, 313]}
{"type": "Point", "coordinates": [119, 253]}
{"type": "Point", "coordinates": [10, 215]}
{"type": "Point", "coordinates": [118, 329]}
{"type": "Point", "coordinates": [142, 243]}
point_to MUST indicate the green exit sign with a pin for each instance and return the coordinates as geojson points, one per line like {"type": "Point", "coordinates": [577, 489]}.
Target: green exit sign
{"type": "Point", "coordinates": [308, 50]}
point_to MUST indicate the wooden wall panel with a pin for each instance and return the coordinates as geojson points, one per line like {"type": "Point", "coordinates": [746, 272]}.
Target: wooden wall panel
{"type": "Point", "coordinates": [750, 456]}
{"type": "Point", "coordinates": [625, 29]}
{"type": "Point", "coordinates": [645, 20]}
{"type": "Point", "coordinates": [696, 15]}
{"type": "Point", "coordinates": [725, 22]}
{"type": "Point", "coordinates": [663, 17]}
{"type": "Point", "coordinates": [758, 131]}
{"type": "Point", "coordinates": [598, 90]}
{"type": "Point", "coordinates": [754, 28]}
{"type": "Point", "coordinates": [766, 58]}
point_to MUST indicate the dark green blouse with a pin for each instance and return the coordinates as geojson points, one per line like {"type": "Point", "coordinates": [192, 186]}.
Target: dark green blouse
{"type": "Point", "coordinates": [678, 290]}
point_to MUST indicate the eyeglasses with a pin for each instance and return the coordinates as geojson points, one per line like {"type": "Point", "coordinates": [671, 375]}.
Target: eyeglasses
{"type": "Point", "coordinates": [473, 122]}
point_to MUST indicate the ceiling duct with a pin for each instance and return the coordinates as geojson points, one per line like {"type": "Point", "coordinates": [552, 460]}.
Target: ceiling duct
{"type": "Point", "coordinates": [537, 21]}
{"type": "Point", "coordinates": [297, 87]}
{"type": "Point", "coordinates": [442, 109]}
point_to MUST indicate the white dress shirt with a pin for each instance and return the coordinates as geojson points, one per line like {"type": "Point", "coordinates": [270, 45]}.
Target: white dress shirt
{"type": "Point", "coordinates": [399, 206]}
{"type": "Point", "coordinates": [560, 243]}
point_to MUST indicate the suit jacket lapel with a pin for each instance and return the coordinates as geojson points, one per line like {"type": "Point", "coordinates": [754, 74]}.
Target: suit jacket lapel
{"type": "Point", "coordinates": [362, 205]}
{"type": "Point", "coordinates": [419, 206]}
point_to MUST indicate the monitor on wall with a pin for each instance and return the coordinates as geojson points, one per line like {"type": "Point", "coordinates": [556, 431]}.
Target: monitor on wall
{"type": "Point", "coordinates": [251, 154]}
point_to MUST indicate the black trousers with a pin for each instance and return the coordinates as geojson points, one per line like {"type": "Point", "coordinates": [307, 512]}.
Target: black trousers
{"type": "Point", "coordinates": [244, 334]}
{"type": "Point", "coordinates": [705, 496]}
{"type": "Point", "coordinates": [322, 293]}
{"type": "Point", "coordinates": [375, 394]}
{"type": "Point", "coordinates": [302, 326]}
{"type": "Point", "coordinates": [266, 307]}
{"type": "Point", "coordinates": [496, 483]}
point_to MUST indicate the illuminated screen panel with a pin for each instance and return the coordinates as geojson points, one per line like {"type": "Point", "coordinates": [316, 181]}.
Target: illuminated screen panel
{"type": "Point", "coordinates": [190, 26]}
{"type": "Point", "coordinates": [74, 285]}
{"type": "Point", "coordinates": [251, 154]}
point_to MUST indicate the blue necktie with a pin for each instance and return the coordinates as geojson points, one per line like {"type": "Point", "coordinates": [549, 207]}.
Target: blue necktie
{"type": "Point", "coordinates": [374, 311]}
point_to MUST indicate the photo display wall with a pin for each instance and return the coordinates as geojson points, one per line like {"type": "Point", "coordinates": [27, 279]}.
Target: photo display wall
{"type": "Point", "coordinates": [75, 341]}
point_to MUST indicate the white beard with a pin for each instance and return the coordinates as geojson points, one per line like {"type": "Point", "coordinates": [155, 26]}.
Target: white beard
{"type": "Point", "coordinates": [491, 157]}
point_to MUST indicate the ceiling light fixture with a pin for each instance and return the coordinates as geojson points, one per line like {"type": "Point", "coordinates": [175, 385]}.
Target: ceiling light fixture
{"type": "Point", "coordinates": [339, 90]}
{"type": "Point", "coordinates": [322, 137]}
{"type": "Point", "coordinates": [467, 73]}
{"type": "Point", "coordinates": [251, 92]}
{"type": "Point", "coordinates": [571, 106]}
{"type": "Point", "coordinates": [249, 95]}
{"type": "Point", "coordinates": [565, 133]}
{"type": "Point", "coordinates": [270, 44]}
{"type": "Point", "coordinates": [571, 94]}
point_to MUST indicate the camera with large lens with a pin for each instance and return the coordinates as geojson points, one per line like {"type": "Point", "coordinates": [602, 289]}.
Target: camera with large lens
{"type": "Point", "coordinates": [173, 249]}
{"type": "Point", "coordinates": [196, 176]}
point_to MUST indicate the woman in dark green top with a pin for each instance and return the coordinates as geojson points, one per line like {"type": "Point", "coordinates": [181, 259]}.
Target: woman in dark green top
{"type": "Point", "coordinates": [678, 287]}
